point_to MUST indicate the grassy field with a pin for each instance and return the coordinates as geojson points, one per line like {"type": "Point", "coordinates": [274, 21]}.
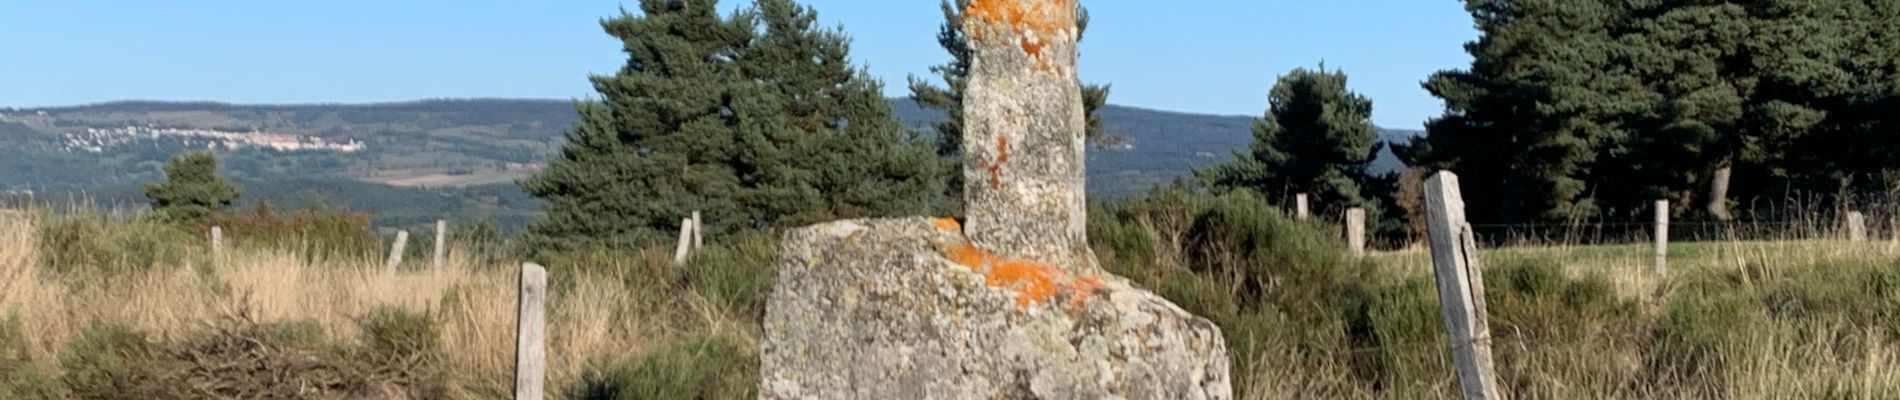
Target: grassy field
{"type": "Point", "coordinates": [162, 319]}
{"type": "Point", "coordinates": [461, 344]}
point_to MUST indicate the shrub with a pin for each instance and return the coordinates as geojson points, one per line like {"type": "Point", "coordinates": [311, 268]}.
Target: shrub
{"type": "Point", "coordinates": [99, 362]}
{"type": "Point", "coordinates": [19, 377]}
{"type": "Point", "coordinates": [12, 345]}
{"type": "Point", "coordinates": [713, 367]}
{"type": "Point", "coordinates": [483, 243]}
{"type": "Point", "coordinates": [391, 332]}
{"type": "Point", "coordinates": [1536, 300]}
{"type": "Point", "coordinates": [317, 234]}
{"type": "Point", "coordinates": [73, 242]}
{"type": "Point", "coordinates": [69, 242]}
{"type": "Point", "coordinates": [30, 383]}
{"type": "Point", "coordinates": [1862, 294]}
{"type": "Point", "coordinates": [1270, 260]}
{"type": "Point", "coordinates": [1700, 327]}
{"type": "Point", "coordinates": [738, 273]}
{"type": "Point", "coordinates": [141, 245]}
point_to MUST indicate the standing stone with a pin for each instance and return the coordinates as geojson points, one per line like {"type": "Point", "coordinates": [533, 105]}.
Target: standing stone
{"type": "Point", "coordinates": [909, 309]}
{"type": "Point", "coordinates": [1024, 131]}
{"type": "Point", "coordinates": [1010, 305]}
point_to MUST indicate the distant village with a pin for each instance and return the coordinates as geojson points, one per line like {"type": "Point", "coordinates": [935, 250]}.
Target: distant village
{"type": "Point", "coordinates": [95, 140]}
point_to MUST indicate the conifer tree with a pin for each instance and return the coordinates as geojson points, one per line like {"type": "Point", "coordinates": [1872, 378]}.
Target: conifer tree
{"type": "Point", "coordinates": [757, 120]}
{"type": "Point", "coordinates": [192, 188]}
{"type": "Point", "coordinates": [1317, 137]}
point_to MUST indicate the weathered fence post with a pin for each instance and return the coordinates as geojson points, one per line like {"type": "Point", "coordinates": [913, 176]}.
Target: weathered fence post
{"type": "Point", "coordinates": [686, 241]}
{"type": "Point", "coordinates": [699, 231]}
{"type": "Point", "coordinates": [1856, 227]}
{"type": "Point", "coordinates": [441, 244]}
{"type": "Point", "coordinates": [217, 246]}
{"type": "Point", "coordinates": [395, 252]}
{"type": "Point", "coordinates": [530, 333]}
{"type": "Point", "coordinates": [1460, 286]}
{"type": "Point", "coordinates": [1662, 237]}
{"type": "Point", "coordinates": [1299, 206]}
{"type": "Point", "coordinates": [1356, 230]}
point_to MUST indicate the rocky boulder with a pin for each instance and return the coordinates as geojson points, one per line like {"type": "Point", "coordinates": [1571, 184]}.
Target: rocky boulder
{"type": "Point", "coordinates": [909, 309]}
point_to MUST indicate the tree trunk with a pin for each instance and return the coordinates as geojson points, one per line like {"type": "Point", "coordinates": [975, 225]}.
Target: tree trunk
{"type": "Point", "coordinates": [1718, 194]}
{"type": "Point", "coordinates": [1024, 132]}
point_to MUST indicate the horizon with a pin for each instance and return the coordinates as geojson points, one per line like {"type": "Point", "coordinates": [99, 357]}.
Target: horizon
{"type": "Point", "coordinates": [345, 53]}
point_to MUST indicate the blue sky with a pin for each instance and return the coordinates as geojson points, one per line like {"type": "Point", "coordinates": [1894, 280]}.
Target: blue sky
{"type": "Point", "coordinates": [1214, 56]}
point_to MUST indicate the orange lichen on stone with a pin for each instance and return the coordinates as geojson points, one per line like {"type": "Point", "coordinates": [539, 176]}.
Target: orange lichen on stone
{"type": "Point", "coordinates": [1035, 25]}
{"type": "Point", "coordinates": [947, 224]}
{"type": "Point", "coordinates": [1081, 289]}
{"type": "Point", "coordinates": [1033, 282]}
{"type": "Point", "coordinates": [995, 168]}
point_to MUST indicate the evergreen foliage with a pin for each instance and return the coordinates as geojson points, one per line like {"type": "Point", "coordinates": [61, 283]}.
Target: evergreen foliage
{"type": "Point", "coordinates": [1590, 109]}
{"type": "Point", "coordinates": [1317, 137]}
{"type": "Point", "coordinates": [757, 120]}
{"type": "Point", "coordinates": [949, 98]}
{"type": "Point", "coordinates": [192, 188]}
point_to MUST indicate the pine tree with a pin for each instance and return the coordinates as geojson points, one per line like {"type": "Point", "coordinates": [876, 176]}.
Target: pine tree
{"type": "Point", "coordinates": [1317, 137]}
{"type": "Point", "coordinates": [949, 98]}
{"type": "Point", "coordinates": [1520, 122]}
{"type": "Point", "coordinates": [757, 120]}
{"type": "Point", "coordinates": [854, 157]}
{"type": "Point", "coordinates": [192, 188]}
{"type": "Point", "coordinates": [1593, 108]}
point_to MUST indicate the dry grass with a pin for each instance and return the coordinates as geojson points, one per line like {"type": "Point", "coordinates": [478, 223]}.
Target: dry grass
{"type": "Point", "coordinates": [596, 318]}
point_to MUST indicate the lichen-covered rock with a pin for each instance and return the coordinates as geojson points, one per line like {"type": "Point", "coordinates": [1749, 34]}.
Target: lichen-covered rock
{"type": "Point", "coordinates": [908, 309]}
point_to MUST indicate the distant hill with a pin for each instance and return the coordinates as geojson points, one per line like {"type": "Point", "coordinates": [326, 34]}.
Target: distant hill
{"type": "Point", "coordinates": [416, 161]}
{"type": "Point", "coordinates": [1165, 144]}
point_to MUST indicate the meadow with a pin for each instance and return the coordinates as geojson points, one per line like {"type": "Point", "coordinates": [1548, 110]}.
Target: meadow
{"type": "Point", "coordinates": [101, 305]}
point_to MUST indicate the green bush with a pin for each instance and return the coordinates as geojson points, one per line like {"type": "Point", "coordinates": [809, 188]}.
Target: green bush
{"type": "Point", "coordinates": [73, 242]}
{"type": "Point", "coordinates": [1534, 299]}
{"type": "Point", "coordinates": [1702, 327]}
{"type": "Point", "coordinates": [317, 234]}
{"type": "Point", "coordinates": [1399, 339]}
{"type": "Point", "coordinates": [714, 367]}
{"type": "Point", "coordinates": [391, 332]}
{"type": "Point", "coordinates": [1862, 294]}
{"type": "Point", "coordinates": [483, 242]}
{"type": "Point", "coordinates": [12, 345]}
{"type": "Point", "coordinates": [69, 242]}
{"type": "Point", "coordinates": [737, 273]}
{"type": "Point", "coordinates": [98, 364]}
{"type": "Point", "coordinates": [30, 383]}
{"type": "Point", "coordinates": [142, 245]}
{"type": "Point", "coordinates": [1271, 259]}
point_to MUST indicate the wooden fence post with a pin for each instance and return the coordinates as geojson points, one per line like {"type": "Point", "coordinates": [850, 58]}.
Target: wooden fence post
{"type": "Point", "coordinates": [686, 241]}
{"type": "Point", "coordinates": [1856, 227]}
{"type": "Point", "coordinates": [441, 244]}
{"type": "Point", "coordinates": [1662, 237]}
{"type": "Point", "coordinates": [1460, 286]}
{"type": "Point", "coordinates": [530, 333]}
{"type": "Point", "coordinates": [217, 246]}
{"type": "Point", "coordinates": [1356, 230]}
{"type": "Point", "coordinates": [1299, 205]}
{"type": "Point", "coordinates": [699, 231]}
{"type": "Point", "coordinates": [395, 252]}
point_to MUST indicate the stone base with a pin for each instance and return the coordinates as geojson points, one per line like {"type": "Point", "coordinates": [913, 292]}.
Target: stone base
{"type": "Point", "coordinates": [906, 309]}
